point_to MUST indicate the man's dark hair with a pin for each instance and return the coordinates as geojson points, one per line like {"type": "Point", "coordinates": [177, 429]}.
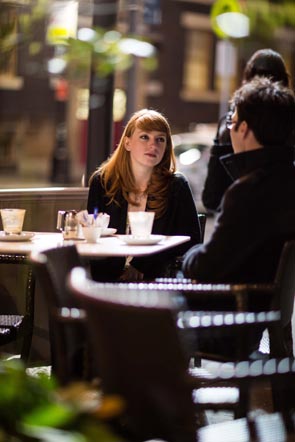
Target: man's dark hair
{"type": "Point", "coordinates": [269, 109]}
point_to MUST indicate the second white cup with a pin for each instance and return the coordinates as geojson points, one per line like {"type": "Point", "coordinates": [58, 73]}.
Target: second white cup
{"type": "Point", "coordinates": [91, 233]}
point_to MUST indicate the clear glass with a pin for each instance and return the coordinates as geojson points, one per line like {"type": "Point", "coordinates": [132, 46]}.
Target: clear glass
{"type": "Point", "coordinates": [12, 220]}
{"type": "Point", "coordinates": [141, 223]}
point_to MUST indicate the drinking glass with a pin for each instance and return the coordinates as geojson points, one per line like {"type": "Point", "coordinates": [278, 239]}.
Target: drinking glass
{"type": "Point", "coordinates": [12, 220]}
{"type": "Point", "coordinates": [141, 223]}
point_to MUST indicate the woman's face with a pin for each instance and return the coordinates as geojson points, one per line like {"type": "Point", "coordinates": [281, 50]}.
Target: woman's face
{"type": "Point", "coordinates": [146, 148]}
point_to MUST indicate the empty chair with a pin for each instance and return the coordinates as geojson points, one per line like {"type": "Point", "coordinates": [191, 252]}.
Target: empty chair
{"type": "Point", "coordinates": [14, 327]}
{"type": "Point", "coordinates": [139, 357]}
{"type": "Point", "coordinates": [202, 220]}
{"type": "Point", "coordinates": [66, 321]}
{"type": "Point", "coordinates": [174, 270]}
{"type": "Point", "coordinates": [262, 427]}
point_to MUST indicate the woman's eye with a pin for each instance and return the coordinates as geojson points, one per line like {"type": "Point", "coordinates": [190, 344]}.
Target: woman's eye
{"type": "Point", "coordinates": [161, 140]}
{"type": "Point", "coordinates": [144, 137]}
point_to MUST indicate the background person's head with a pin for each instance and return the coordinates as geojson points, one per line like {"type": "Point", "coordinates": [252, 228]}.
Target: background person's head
{"type": "Point", "coordinates": [266, 63]}
{"type": "Point", "coordinates": [265, 109]}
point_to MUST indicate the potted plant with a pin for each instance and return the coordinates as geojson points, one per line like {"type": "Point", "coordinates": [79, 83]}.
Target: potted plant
{"type": "Point", "coordinates": [35, 408]}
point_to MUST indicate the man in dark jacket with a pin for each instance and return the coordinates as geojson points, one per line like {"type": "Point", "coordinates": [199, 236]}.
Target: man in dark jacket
{"type": "Point", "coordinates": [258, 210]}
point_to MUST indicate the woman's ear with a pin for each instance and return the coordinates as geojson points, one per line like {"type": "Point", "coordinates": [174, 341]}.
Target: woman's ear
{"type": "Point", "coordinates": [127, 143]}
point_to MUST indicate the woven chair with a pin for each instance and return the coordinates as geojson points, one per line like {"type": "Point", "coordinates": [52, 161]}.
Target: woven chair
{"type": "Point", "coordinates": [18, 328]}
{"type": "Point", "coordinates": [259, 427]}
{"type": "Point", "coordinates": [278, 295]}
{"type": "Point", "coordinates": [142, 356]}
{"type": "Point", "coordinates": [174, 270]}
{"type": "Point", "coordinates": [138, 354]}
{"type": "Point", "coordinates": [66, 321]}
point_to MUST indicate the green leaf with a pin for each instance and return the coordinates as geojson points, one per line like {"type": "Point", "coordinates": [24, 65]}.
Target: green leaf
{"type": "Point", "coordinates": [50, 415]}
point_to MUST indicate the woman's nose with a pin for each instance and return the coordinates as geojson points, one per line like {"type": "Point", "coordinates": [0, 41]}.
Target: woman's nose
{"type": "Point", "coordinates": [153, 141]}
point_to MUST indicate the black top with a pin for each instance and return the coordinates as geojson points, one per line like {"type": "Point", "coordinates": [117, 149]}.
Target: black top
{"type": "Point", "coordinates": [257, 216]}
{"type": "Point", "coordinates": [217, 180]}
{"type": "Point", "coordinates": [180, 218]}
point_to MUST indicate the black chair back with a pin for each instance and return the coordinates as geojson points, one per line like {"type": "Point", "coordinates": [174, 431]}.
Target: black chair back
{"type": "Point", "coordinates": [67, 338]}
{"type": "Point", "coordinates": [285, 280]}
{"type": "Point", "coordinates": [139, 356]}
{"type": "Point", "coordinates": [202, 220]}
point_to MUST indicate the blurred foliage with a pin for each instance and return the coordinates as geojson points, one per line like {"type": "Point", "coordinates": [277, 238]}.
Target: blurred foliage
{"type": "Point", "coordinates": [266, 16]}
{"type": "Point", "coordinates": [34, 408]}
{"type": "Point", "coordinates": [107, 51]}
{"type": "Point", "coordinates": [17, 21]}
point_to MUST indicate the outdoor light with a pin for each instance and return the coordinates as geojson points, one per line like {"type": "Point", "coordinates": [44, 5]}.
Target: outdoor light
{"type": "Point", "coordinates": [228, 21]}
{"type": "Point", "coordinates": [56, 65]}
{"type": "Point", "coordinates": [136, 47]}
{"type": "Point", "coordinates": [234, 24]}
{"type": "Point", "coordinates": [189, 157]}
{"type": "Point", "coordinates": [86, 34]}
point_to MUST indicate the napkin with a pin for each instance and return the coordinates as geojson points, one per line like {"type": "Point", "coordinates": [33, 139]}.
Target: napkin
{"type": "Point", "coordinates": [97, 219]}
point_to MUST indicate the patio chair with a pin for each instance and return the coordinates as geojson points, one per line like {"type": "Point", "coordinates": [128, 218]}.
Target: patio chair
{"type": "Point", "coordinates": [142, 357]}
{"type": "Point", "coordinates": [139, 356]}
{"type": "Point", "coordinates": [18, 328]}
{"type": "Point", "coordinates": [278, 295]}
{"type": "Point", "coordinates": [174, 270]}
{"type": "Point", "coordinates": [66, 321]}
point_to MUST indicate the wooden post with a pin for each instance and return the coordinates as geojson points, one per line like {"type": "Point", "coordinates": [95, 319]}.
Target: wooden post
{"type": "Point", "coordinates": [100, 120]}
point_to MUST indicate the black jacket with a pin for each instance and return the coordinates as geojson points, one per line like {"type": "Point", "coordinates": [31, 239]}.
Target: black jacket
{"type": "Point", "coordinates": [217, 179]}
{"type": "Point", "coordinates": [257, 217]}
{"type": "Point", "coordinates": [181, 218]}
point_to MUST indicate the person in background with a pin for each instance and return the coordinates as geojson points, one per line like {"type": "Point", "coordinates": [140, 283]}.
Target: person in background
{"type": "Point", "coordinates": [263, 63]}
{"type": "Point", "coordinates": [257, 213]}
{"type": "Point", "coordinates": [140, 175]}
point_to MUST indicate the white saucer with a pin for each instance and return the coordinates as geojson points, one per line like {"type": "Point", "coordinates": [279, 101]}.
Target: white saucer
{"type": "Point", "coordinates": [134, 241]}
{"type": "Point", "coordinates": [108, 231]}
{"type": "Point", "coordinates": [24, 236]}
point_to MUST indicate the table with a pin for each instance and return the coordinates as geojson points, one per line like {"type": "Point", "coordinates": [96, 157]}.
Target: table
{"type": "Point", "coordinates": [112, 246]}
{"type": "Point", "coordinates": [109, 246]}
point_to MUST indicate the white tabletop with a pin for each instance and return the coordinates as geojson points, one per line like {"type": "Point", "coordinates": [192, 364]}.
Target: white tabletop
{"type": "Point", "coordinates": [105, 246]}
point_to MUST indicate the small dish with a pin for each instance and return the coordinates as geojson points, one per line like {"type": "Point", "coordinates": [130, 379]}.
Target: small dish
{"type": "Point", "coordinates": [24, 236]}
{"type": "Point", "coordinates": [135, 241]}
{"type": "Point", "coordinates": [107, 231]}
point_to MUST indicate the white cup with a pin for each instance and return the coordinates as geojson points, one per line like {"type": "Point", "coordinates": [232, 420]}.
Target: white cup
{"type": "Point", "coordinates": [12, 220]}
{"type": "Point", "coordinates": [91, 233]}
{"type": "Point", "coordinates": [141, 223]}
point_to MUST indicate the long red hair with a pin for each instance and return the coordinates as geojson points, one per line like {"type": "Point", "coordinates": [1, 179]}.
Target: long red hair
{"type": "Point", "coordinates": [116, 172]}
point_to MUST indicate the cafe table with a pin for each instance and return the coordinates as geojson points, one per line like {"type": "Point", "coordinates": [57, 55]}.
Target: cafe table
{"type": "Point", "coordinates": [108, 246]}
{"type": "Point", "coordinates": [18, 252]}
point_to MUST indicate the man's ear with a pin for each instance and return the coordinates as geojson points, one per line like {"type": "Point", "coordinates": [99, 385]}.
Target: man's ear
{"type": "Point", "coordinates": [244, 128]}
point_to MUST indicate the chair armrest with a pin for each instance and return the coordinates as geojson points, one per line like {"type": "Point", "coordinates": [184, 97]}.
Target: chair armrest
{"type": "Point", "coordinates": [245, 370]}
{"type": "Point", "coordinates": [240, 297]}
{"type": "Point", "coordinates": [205, 320]}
